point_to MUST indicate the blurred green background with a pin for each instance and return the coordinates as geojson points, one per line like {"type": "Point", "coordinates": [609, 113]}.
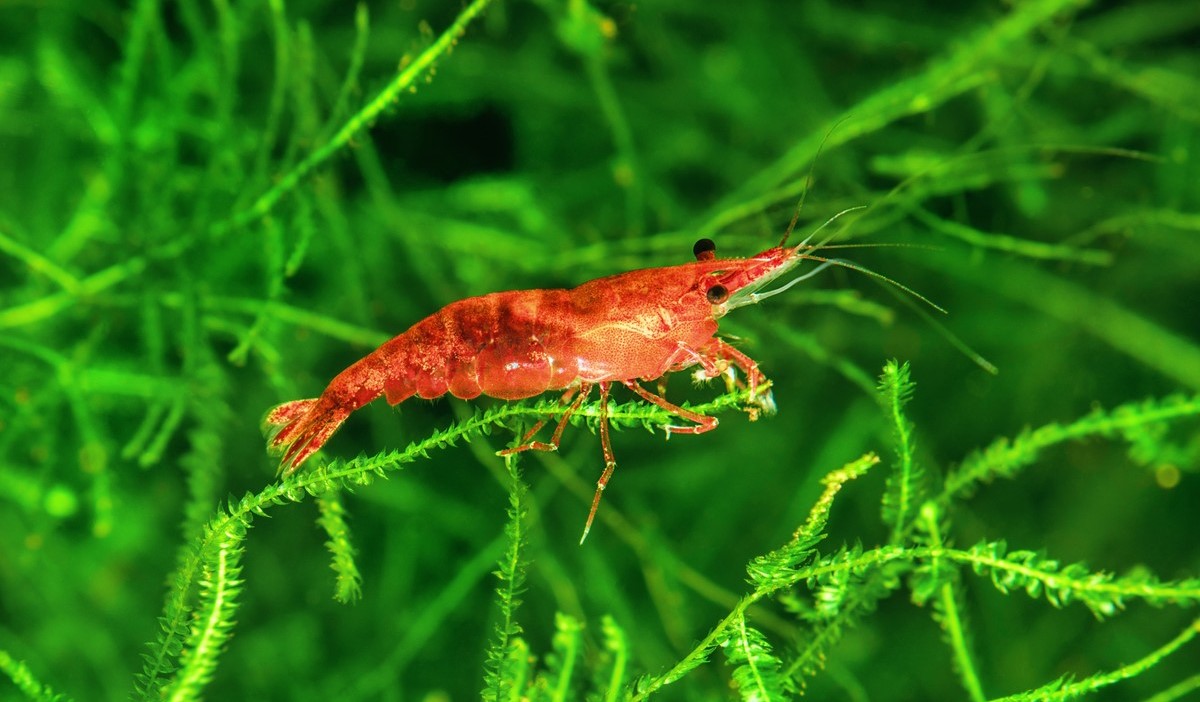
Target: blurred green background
{"type": "Point", "coordinates": [203, 213]}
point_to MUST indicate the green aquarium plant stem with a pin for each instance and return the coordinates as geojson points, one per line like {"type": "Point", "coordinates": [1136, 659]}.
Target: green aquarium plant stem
{"type": "Point", "coordinates": [406, 79]}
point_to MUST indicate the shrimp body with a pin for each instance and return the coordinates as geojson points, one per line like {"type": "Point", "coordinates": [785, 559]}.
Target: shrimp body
{"type": "Point", "coordinates": [624, 328]}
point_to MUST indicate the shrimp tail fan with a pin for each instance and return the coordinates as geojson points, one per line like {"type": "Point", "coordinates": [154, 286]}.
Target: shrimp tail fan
{"type": "Point", "coordinates": [296, 430]}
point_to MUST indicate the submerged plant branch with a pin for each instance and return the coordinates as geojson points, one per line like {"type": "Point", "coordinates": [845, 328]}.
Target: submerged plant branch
{"type": "Point", "coordinates": [216, 552]}
{"type": "Point", "coordinates": [404, 80]}
{"type": "Point", "coordinates": [770, 573]}
{"type": "Point", "coordinates": [905, 484]}
{"type": "Point", "coordinates": [1063, 689]}
{"type": "Point", "coordinates": [23, 679]}
{"type": "Point", "coordinates": [1101, 592]}
{"type": "Point", "coordinates": [498, 677]}
{"type": "Point", "coordinates": [850, 581]}
{"type": "Point", "coordinates": [941, 583]}
{"type": "Point", "coordinates": [1006, 457]}
{"type": "Point", "coordinates": [945, 78]}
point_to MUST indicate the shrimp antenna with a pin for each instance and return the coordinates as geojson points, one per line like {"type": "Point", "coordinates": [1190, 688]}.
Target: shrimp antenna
{"type": "Point", "coordinates": [808, 185]}
{"type": "Point", "coordinates": [826, 223]}
{"type": "Point", "coordinates": [884, 245]}
{"type": "Point", "coordinates": [878, 276]}
{"type": "Point", "coordinates": [976, 358]}
{"type": "Point", "coordinates": [944, 331]}
{"type": "Point", "coordinates": [754, 298]}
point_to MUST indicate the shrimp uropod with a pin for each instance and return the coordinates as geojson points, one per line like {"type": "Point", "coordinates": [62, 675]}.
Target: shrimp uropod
{"type": "Point", "coordinates": [621, 329]}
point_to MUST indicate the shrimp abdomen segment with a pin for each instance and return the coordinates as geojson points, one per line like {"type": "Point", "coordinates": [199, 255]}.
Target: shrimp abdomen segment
{"type": "Point", "coordinates": [509, 345]}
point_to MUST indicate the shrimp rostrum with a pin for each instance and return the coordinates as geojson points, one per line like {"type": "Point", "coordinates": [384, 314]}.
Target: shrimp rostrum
{"type": "Point", "coordinates": [622, 329]}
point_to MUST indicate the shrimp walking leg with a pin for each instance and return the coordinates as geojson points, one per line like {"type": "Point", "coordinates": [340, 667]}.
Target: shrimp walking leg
{"type": "Point", "coordinates": [702, 424]}
{"type": "Point", "coordinates": [722, 354]}
{"type": "Point", "coordinates": [610, 462]}
{"type": "Point", "coordinates": [526, 442]}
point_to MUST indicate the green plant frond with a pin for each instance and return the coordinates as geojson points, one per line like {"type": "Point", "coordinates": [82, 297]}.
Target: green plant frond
{"type": "Point", "coordinates": [826, 632]}
{"type": "Point", "coordinates": [906, 486]}
{"type": "Point", "coordinates": [1103, 593]}
{"type": "Point", "coordinates": [362, 32]}
{"type": "Point", "coordinates": [1006, 457]}
{"type": "Point", "coordinates": [23, 679]}
{"type": "Point", "coordinates": [929, 576]}
{"type": "Point", "coordinates": [559, 676]}
{"type": "Point", "coordinates": [1033, 572]}
{"type": "Point", "coordinates": [783, 568]}
{"type": "Point", "coordinates": [613, 669]}
{"type": "Point", "coordinates": [648, 685]}
{"type": "Point", "coordinates": [1149, 446]}
{"type": "Point", "coordinates": [756, 669]}
{"type": "Point", "coordinates": [208, 408]}
{"type": "Point", "coordinates": [164, 651]}
{"type": "Point", "coordinates": [1179, 691]}
{"type": "Point", "coordinates": [1153, 446]}
{"type": "Point", "coordinates": [405, 80]}
{"type": "Point", "coordinates": [212, 622]}
{"type": "Point", "coordinates": [950, 615]}
{"type": "Point", "coordinates": [275, 271]}
{"type": "Point", "coordinates": [838, 579]}
{"type": "Point", "coordinates": [1016, 245]}
{"type": "Point", "coordinates": [306, 228]}
{"type": "Point", "coordinates": [777, 569]}
{"type": "Point", "coordinates": [511, 573]}
{"type": "Point", "coordinates": [348, 587]}
{"type": "Point", "coordinates": [293, 488]}
{"type": "Point", "coordinates": [935, 579]}
{"type": "Point", "coordinates": [1066, 689]}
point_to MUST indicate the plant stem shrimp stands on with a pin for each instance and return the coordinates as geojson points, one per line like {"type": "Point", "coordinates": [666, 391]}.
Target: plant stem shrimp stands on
{"type": "Point", "coordinates": [625, 328]}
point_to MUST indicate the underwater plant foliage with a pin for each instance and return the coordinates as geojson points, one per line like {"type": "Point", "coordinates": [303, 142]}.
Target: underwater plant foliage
{"type": "Point", "coordinates": [209, 208]}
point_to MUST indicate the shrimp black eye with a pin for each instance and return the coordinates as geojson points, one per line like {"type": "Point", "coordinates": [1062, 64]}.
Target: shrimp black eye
{"type": "Point", "coordinates": [705, 250]}
{"type": "Point", "coordinates": [717, 294]}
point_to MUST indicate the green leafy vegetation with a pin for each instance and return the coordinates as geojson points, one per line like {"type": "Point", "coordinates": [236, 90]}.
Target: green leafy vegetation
{"type": "Point", "coordinates": [209, 208]}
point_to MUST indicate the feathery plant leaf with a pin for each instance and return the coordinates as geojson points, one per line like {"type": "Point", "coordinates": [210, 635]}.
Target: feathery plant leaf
{"type": "Point", "coordinates": [837, 579]}
{"type": "Point", "coordinates": [212, 623]}
{"type": "Point", "coordinates": [499, 679]}
{"type": "Point", "coordinates": [782, 568]}
{"type": "Point", "coordinates": [884, 571]}
{"type": "Point", "coordinates": [1064, 689]}
{"type": "Point", "coordinates": [928, 577]}
{"type": "Point", "coordinates": [906, 483]}
{"type": "Point", "coordinates": [359, 472]}
{"type": "Point", "coordinates": [403, 81]}
{"type": "Point", "coordinates": [333, 520]}
{"type": "Point", "coordinates": [937, 580]}
{"type": "Point", "coordinates": [611, 672]}
{"type": "Point", "coordinates": [1005, 458]}
{"type": "Point", "coordinates": [202, 465]}
{"type": "Point", "coordinates": [19, 673]}
{"type": "Point", "coordinates": [556, 682]}
{"type": "Point", "coordinates": [777, 569]}
{"type": "Point", "coordinates": [1178, 691]}
{"type": "Point", "coordinates": [1102, 593]}
{"type": "Point", "coordinates": [755, 667]}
